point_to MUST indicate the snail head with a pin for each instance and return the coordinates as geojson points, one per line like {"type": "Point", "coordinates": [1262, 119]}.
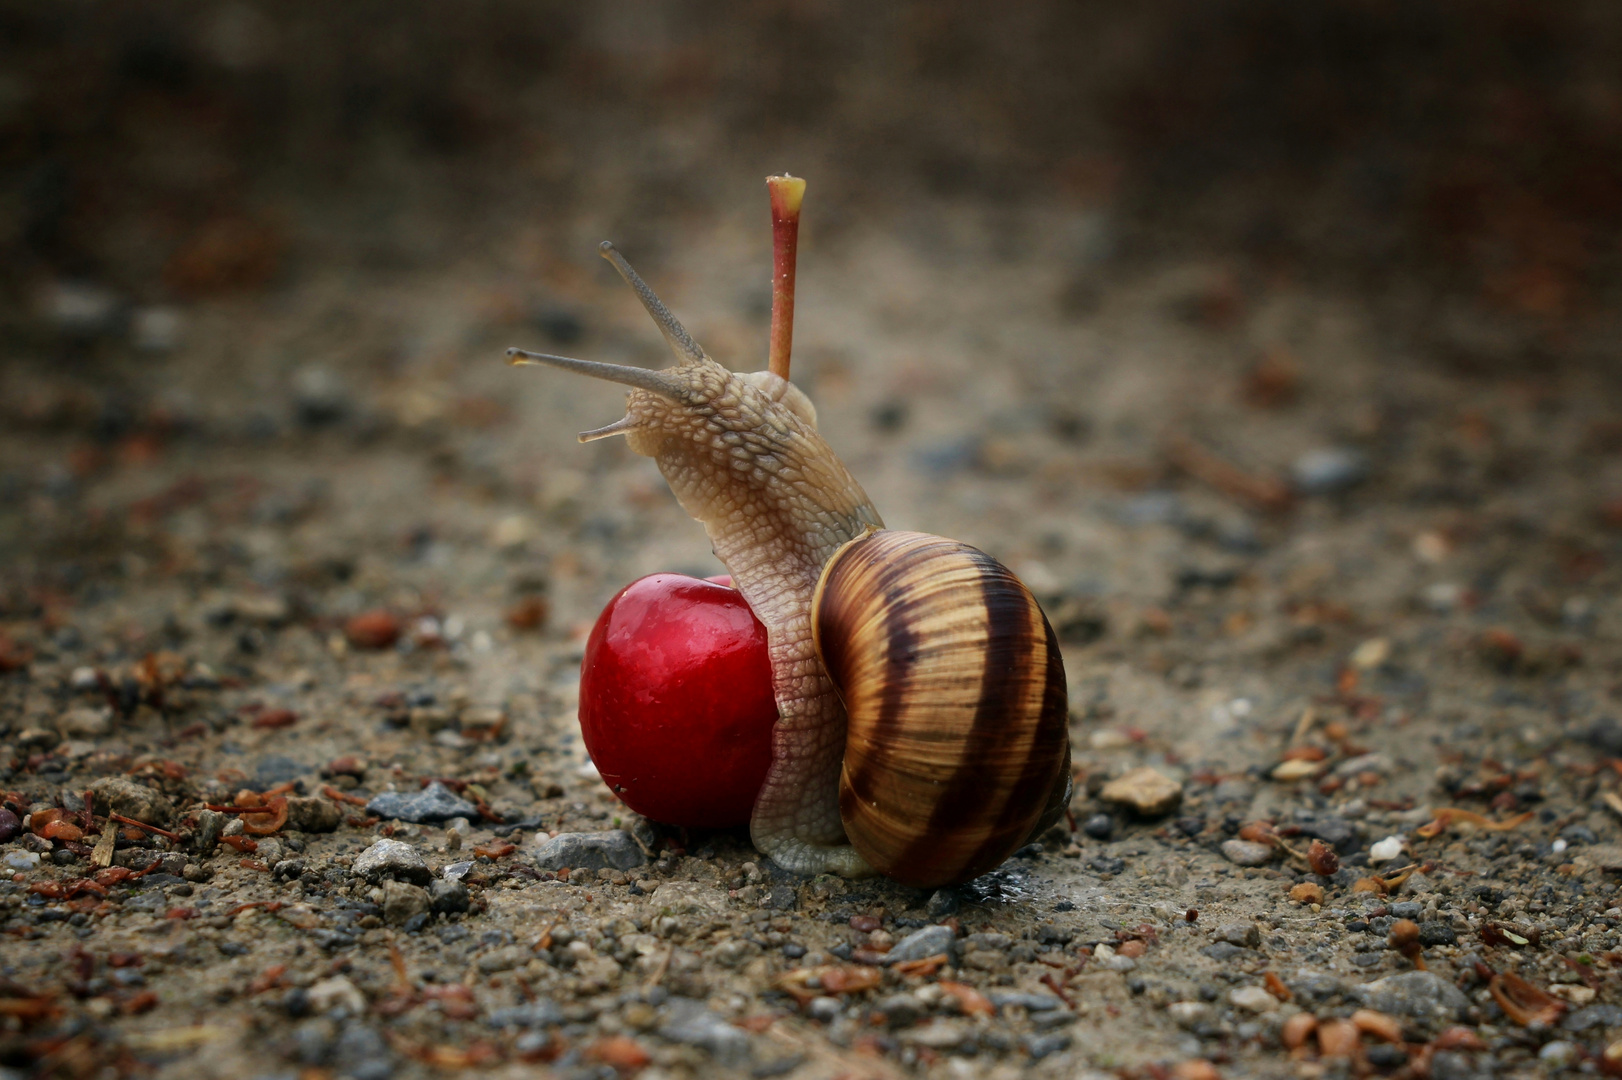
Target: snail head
{"type": "Point", "coordinates": [696, 400]}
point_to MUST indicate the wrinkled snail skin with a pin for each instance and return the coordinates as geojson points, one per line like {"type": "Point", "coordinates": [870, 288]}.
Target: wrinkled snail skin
{"type": "Point", "coordinates": [742, 454]}
{"type": "Point", "coordinates": [957, 729]}
{"type": "Point", "coordinates": [777, 504]}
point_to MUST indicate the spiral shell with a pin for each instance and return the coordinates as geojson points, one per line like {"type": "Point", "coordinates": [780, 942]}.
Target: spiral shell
{"type": "Point", "coordinates": [957, 743]}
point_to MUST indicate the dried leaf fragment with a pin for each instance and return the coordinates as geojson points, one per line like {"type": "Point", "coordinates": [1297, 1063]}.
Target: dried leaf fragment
{"type": "Point", "coordinates": [1339, 1039]}
{"type": "Point", "coordinates": [1297, 1029]}
{"type": "Point", "coordinates": [1522, 1002]}
{"type": "Point", "coordinates": [970, 1001]}
{"type": "Point", "coordinates": [828, 979]}
{"type": "Point", "coordinates": [1380, 1025]}
{"type": "Point", "coordinates": [1448, 815]}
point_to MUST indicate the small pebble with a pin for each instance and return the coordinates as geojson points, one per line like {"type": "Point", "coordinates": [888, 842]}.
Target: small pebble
{"type": "Point", "coordinates": [1420, 995]}
{"type": "Point", "coordinates": [613, 850]}
{"type": "Point", "coordinates": [1145, 791]}
{"type": "Point", "coordinates": [1254, 999]}
{"type": "Point", "coordinates": [396, 859]}
{"type": "Point", "coordinates": [1099, 826]}
{"type": "Point", "coordinates": [22, 860]}
{"type": "Point", "coordinates": [921, 944]}
{"type": "Point", "coordinates": [431, 805]}
{"type": "Point", "coordinates": [1247, 853]}
{"type": "Point", "coordinates": [125, 796]}
{"type": "Point", "coordinates": [1239, 933]}
{"type": "Point", "coordinates": [1040, 1046]}
{"type": "Point", "coordinates": [1387, 849]}
{"type": "Point", "coordinates": [693, 1023]}
{"type": "Point", "coordinates": [1328, 470]}
{"type": "Point", "coordinates": [825, 1009]}
{"type": "Point", "coordinates": [1188, 1014]}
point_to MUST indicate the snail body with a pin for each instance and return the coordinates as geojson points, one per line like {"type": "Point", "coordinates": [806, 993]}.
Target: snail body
{"type": "Point", "coordinates": [957, 749]}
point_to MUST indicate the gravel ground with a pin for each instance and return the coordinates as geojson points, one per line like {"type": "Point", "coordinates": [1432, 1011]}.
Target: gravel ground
{"type": "Point", "coordinates": [1275, 351]}
{"type": "Point", "coordinates": [350, 579]}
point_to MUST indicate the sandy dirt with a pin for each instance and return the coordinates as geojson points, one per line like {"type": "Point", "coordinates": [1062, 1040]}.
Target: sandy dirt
{"type": "Point", "coordinates": [1333, 557]}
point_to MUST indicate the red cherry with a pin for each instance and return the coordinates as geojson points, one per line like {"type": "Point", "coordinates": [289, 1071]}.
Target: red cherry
{"type": "Point", "coordinates": [676, 703]}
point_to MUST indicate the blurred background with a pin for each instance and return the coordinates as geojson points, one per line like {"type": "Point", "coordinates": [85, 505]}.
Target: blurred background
{"type": "Point", "coordinates": [260, 262]}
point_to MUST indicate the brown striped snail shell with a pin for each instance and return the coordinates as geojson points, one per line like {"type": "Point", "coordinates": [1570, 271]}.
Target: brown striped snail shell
{"type": "Point", "coordinates": [957, 735]}
{"type": "Point", "coordinates": [956, 751]}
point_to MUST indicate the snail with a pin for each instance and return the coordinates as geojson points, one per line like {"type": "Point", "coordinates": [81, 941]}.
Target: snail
{"type": "Point", "coordinates": [923, 729]}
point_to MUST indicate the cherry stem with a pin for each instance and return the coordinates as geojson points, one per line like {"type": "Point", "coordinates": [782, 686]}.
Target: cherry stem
{"type": "Point", "coordinates": [786, 193]}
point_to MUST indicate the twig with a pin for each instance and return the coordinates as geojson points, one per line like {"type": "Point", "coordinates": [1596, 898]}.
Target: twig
{"type": "Point", "coordinates": [659, 974]}
{"type": "Point", "coordinates": [143, 825]}
{"type": "Point", "coordinates": [1264, 492]}
{"type": "Point", "coordinates": [1309, 716]}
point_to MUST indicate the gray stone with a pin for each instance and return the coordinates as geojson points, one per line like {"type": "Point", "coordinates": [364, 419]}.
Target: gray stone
{"type": "Point", "coordinates": [1247, 853]}
{"type": "Point", "coordinates": [209, 825]}
{"type": "Point", "coordinates": [1437, 932]}
{"type": "Point", "coordinates": [1329, 469]}
{"type": "Point", "coordinates": [85, 723]}
{"type": "Point", "coordinates": [448, 896]}
{"type": "Point", "coordinates": [392, 859]}
{"type": "Point", "coordinates": [612, 850]}
{"type": "Point", "coordinates": [901, 1010]}
{"type": "Point", "coordinates": [691, 1022]}
{"type": "Point", "coordinates": [312, 815]}
{"type": "Point", "coordinates": [1223, 951]}
{"type": "Point", "coordinates": [1254, 999]}
{"type": "Point", "coordinates": [1314, 988]}
{"type": "Point", "coordinates": [431, 805]}
{"type": "Point", "coordinates": [401, 902]}
{"type": "Point", "coordinates": [988, 940]}
{"type": "Point", "coordinates": [288, 870]}
{"type": "Point", "coordinates": [358, 1048]}
{"type": "Point", "coordinates": [1604, 856]}
{"type": "Point", "coordinates": [1453, 1065]}
{"type": "Point", "coordinates": [541, 1012]}
{"type": "Point", "coordinates": [920, 944]}
{"type": "Point", "coordinates": [1052, 1018]}
{"type": "Point", "coordinates": [124, 796]}
{"type": "Point", "coordinates": [1338, 833]}
{"type": "Point", "coordinates": [1029, 1002]}
{"type": "Point", "coordinates": [1606, 734]}
{"type": "Point", "coordinates": [312, 1041]}
{"type": "Point", "coordinates": [1592, 1016]}
{"type": "Point", "coordinates": [824, 1009]}
{"type": "Point", "coordinates": [1240, 933]}
{"type": "Point", "coordinates": [1419, 995]}
{"type": "Point", "coordinates": [1040, 1046]}
{"type": "Point", "coordinates": [944, 902]}
{"type": "Point", "coordinates": [502, 959]}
